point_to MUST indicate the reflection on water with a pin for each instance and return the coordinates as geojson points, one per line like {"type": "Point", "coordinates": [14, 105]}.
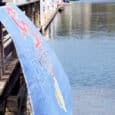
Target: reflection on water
{"type": "Point", "coordinates": [85, 21]}
{"type": "Point", "coordinates": [83, 37]}
{"type": "Point", "coordinates": [95, 1]}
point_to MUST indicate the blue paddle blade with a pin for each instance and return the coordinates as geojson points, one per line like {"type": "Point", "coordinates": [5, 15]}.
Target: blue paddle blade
{"type": "Point", "coordinates": [47, 84]}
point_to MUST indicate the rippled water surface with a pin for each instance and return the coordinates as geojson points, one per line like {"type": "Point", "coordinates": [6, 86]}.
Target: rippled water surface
{"type": "Point", "coordinates": [83, 37]}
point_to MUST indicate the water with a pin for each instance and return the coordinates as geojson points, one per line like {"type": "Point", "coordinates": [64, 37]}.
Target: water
{"type": "Point", "coordinates": [95, 1]}
{"type": "Point", "coordinates": [83, 37]}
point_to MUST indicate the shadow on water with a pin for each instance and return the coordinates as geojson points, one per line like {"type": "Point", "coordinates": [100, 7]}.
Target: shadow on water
{"type": "Point", "coordinates": [83, 37]}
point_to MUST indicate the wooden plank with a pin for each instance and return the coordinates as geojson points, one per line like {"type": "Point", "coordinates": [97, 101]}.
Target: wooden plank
{"type": "Point", "coordinates": [9, 85]}
{"type": "Point", "coordinates": [9, 67]}
{"type": "Point", "coordinates": [6, 38]}
{"type": "Point", "coordinates": [21, 3]}
{"type": "Point", "coordinates": [1, 52]}
{"type": "Point", "coordinates": [2, 85]}
{"type": "Point", "coordinates": [5, 77]}
{"type": "Point", "coordinates": [8, 48]}
{"type": "Point", "coordinates": [12, 104]}
{"type": "Point", "coordinates": [4, 31]}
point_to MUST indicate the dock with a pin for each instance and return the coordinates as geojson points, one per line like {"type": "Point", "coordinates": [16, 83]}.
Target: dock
{"type": "Point", "coordinates": [13, 93]}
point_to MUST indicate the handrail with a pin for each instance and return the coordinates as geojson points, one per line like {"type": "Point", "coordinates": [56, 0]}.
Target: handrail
{"type": "Point", "coordinates": [1, 46]}
{"type": "Point", "coordinates": [1, 52]}
{"type": "Point", "coordinates": [31, 9]}
{"type": "Point", "coordinates": [22, 3]}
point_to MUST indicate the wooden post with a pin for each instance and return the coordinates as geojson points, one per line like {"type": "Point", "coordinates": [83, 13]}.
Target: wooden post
{"type": "Point", "coordinates": [1, 46]}
{"type": "Point", "coordinates": [1, 52]}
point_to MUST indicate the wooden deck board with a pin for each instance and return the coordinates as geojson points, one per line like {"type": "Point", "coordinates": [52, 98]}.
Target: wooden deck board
{"type": "Point", "coordinates": [2, 85]}
{"type": "Point", "coordinates": [9, 69]}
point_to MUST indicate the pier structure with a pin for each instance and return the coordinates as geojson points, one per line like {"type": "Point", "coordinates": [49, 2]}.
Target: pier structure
{"type": "Point", "coordinates": [13, 92]}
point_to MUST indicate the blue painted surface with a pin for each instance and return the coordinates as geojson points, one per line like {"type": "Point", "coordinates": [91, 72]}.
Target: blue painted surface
{"type": "Point", "coordinates": [47, 84]}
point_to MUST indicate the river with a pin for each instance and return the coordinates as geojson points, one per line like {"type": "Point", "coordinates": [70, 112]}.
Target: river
{"type": "Point", "coordinates": [83, 37]}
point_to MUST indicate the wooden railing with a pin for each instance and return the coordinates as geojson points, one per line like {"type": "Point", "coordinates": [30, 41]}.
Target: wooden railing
{"type": "Point", "coordinates": [13, 92]}
{"type": "Point", "coordinates": [8, 58]}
